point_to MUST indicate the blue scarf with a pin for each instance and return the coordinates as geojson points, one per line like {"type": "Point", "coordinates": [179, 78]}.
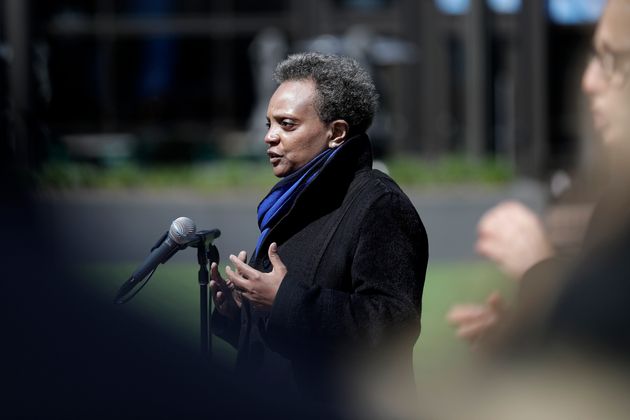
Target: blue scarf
{"type": "Point", "coordinates": [282, 196]}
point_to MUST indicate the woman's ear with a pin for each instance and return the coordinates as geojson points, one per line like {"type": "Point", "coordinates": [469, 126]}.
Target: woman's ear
{"type": "Point", "coordinates": [339, 131]}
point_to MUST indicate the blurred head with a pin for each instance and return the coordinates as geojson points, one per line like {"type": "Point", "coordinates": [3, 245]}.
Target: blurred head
{"type": "Point", "coordinates": [606, 79]}
{"type": "Point", "coordinates": [321, 101]}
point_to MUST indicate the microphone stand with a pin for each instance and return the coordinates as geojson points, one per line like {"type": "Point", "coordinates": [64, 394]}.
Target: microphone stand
{"type": "Point", "coordinates": [206, 255]}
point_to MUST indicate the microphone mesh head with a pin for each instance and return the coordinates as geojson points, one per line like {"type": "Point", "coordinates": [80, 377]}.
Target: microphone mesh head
{"type": "Point", "coordinates": [182, 229]}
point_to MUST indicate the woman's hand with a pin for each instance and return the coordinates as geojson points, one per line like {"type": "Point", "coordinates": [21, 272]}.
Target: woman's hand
{"type": "Point", "coordinates": [226, 299]}
{"type": "Point", "coordinates": [258, 287]}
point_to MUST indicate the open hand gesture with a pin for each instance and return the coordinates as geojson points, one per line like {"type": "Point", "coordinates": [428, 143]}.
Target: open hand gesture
{"type": "Point", "coordinates": [226, 299]}
{"type": "Point", "coordinates": [258, 287]}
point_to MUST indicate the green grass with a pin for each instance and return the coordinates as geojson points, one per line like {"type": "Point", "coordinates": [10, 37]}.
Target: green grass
{"type": "Point", "coordinates": [217, 176]}
{"type": "Point", "coordinates": [171, 301]}
{"type": "Point", "coordinates": [454, 169]}
{"type": "Point", "coordinates": [447, 284]}
{"type": "Point", "coordinates": [248, 174]}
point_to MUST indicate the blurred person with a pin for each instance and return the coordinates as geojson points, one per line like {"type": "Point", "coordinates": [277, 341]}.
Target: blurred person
{"type": "Point", "coordinates": [514, 238]}
{"type": "Point", "coordinates": [328, 306]}
{"type": "Point", "coordinates": [69, 352]}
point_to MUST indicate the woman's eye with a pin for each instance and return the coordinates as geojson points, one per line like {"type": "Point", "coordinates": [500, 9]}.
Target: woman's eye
{"type": "Point", "coordinates": [268, 124]}
{"type": "Point", "coordinates": [287, 123]}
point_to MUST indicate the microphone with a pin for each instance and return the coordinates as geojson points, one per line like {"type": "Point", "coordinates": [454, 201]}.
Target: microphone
{"type": "Point", "coordinates": [179, 236]}
{"type": "Point", "coordinates": [181, 231]}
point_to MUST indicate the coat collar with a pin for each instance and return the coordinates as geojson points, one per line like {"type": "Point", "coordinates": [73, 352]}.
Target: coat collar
{"type": "Point", "coordinates": [333, 182]}
{"type": "Point", "coordinates": [354, 156]}
{"type": "Point", "coordinates": [329, 189]}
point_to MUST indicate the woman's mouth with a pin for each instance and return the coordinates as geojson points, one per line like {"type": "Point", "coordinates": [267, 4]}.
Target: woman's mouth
{"type": "Point", "coordinates": [274, 158]}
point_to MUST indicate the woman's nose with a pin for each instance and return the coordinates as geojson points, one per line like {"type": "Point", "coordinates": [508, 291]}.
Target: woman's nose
{"type": "Point", "coordinates": [272, 136]}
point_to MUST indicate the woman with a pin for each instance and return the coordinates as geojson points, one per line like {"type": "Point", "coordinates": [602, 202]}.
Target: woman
{"type": "Point", "coordinates": [336, 279]}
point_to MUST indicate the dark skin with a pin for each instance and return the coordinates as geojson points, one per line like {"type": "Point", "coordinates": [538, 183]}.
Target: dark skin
{"type": "Point", "coordinates": [226, 300]}
{"type": "Point", "coordinates": [295, 135]}
{"type": "Point", "coordinates": [259, 288]}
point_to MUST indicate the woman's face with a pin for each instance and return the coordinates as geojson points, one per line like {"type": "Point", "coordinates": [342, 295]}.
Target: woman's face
{"type": "Point", "coordinates": [295, 133]}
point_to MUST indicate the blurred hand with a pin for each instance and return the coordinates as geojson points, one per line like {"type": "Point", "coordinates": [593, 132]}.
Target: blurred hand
{"type": "Point", "coordinates": [258, 287]}
{"type": "Point", "coordinates": [513, 237]}
{"type": "Point", "coordinates": [473, 321]}
{"type": "Point", "coordinates": [227, 300]}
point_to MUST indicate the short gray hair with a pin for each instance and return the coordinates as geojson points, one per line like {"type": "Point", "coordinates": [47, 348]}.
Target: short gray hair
{"type": "Point", "coordinates": [344, 89]}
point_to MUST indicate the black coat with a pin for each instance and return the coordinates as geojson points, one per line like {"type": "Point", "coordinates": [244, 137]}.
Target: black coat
{"type": "Point", "coordinates": [356, 253]}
